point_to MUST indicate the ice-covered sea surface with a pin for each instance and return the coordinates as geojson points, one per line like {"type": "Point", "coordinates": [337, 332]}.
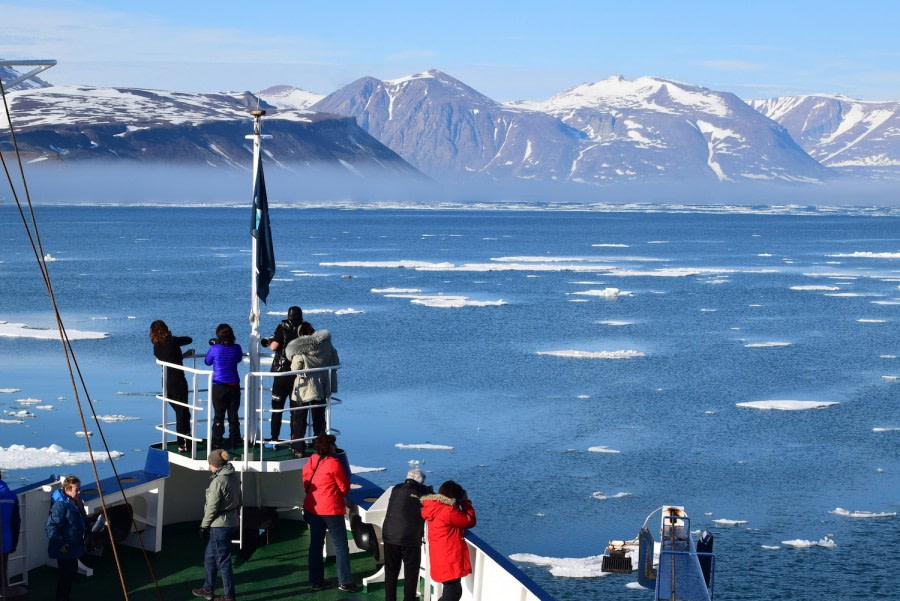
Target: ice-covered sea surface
{"type": "Point", "coordinates": [463, 350]}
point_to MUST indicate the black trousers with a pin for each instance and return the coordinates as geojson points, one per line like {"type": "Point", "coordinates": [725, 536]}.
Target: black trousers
{"type": "Point", "coordinates": [177, 391]}
{"type": "Point", "coordinates": [318, 419]}
{"type": "Point", "coordinates": [452, 590]}
{"type": "Point", "coordinates": [67, 570]}
{"type": "Point", "coordinates": [226, 401]}
{"type": "Point", "coordinates": [411, 556]}
{"type": "Point", "coordinates": [281, 392]}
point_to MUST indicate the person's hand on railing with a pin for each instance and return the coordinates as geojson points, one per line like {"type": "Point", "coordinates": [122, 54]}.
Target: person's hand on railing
{"type": "Point", "coordinates": [188, 353]}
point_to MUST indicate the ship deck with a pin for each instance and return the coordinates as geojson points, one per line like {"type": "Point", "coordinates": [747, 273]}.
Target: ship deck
{"type": "Point", "coordinates": [276, 570]}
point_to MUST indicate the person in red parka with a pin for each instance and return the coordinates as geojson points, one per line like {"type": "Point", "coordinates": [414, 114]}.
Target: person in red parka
{"type": "Point", "coordinates": [448, 513]}
{"type": "Point", "coordinates": [326, 484]}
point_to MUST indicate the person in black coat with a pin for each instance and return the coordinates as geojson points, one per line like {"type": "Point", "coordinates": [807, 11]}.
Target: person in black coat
{"type": "Point", "coordinates": [167, 347]}
{"type": "Point", "coordinates": [282, 385]}
{"type": "Point", "coordinates": [402, 532]}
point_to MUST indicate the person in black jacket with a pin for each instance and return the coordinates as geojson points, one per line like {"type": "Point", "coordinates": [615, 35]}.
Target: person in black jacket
{"type": "Point", "coordinates": [402, 532]}
{"type": "Point", "coordinates": [167, 347]}
{"type": "Point", "coordinates": [282, 385]}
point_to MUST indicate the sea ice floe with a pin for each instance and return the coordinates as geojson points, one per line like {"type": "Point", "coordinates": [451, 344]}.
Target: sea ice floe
{"type": "Point", "coordinates": [625, 354]}
{"type": "Point", "coordinates": [773, 344]}
{"type": "Point", "coordinates": [29, 401]}
{"type": "Point", "coordinates": [610, 245]}
{"type": "Point", "coordinates": [395, 290]}
{"type": "Point", "coordinates": [616, 322]}
{"type": "Point", "coordinates": [11, 421]}
{"type": "Point", "coordinates": [871, 321]}
{"type": "Point", "coordinates": [22, 457]}
{"type": "Point", "coordinates": [117, 418]}
{"type": "Point", "coordinates": [825, 541]}
{"type": "Point", "coordinates": [787, 405]}
{"type": "Point", "coordinates": [10, 390]}
{"type": "Point", "coordinates": [863, 514]}
{"type": "Point", "coordinates": [726, 522]}
{"type": "Point", "coordinates": [21, 330]}
{"type": "Point", "coordinates": [886, 302]}
{"type": "Point", "coordinates": [82, 434]}
{"type": "Point", "coordinates": [867, 255]}
{"type": "Point", "coordinates": [769, 547]}
{"type": "Point", "coordinates": [20, 413]}
{"type": "Point", "coordinates": [815, 288]}
{"type": "Point", "coordinates": [347, 311]}
{"type": "Point", "coordinates": [885, 429]}
{"type": "Point", "coordinates": [566, 567]}
{"type": "Point", "coordinates": [424, 446]}
{"type": "Point", "coordinates": [605, 293]}
{"type": "Point", "coordinates": [355, 469]}
{"type": "Point", "coordinates": [46, 407]}
{"type": "Point", "coordinates": [602, 497]}
{"type": "Point", "coordinates": [890, 378]}
{"type": "Point", "coordinates": [603, 449]}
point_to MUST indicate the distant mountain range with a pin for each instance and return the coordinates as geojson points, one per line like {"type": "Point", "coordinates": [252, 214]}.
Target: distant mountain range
{"type": "Point", "coordinates": [612, 131]}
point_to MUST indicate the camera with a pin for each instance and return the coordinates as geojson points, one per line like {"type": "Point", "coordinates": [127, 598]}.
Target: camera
{"type": "Point", "coordinates": [213, 341]}
{"type": "Point", "coordinates": [265, 341]}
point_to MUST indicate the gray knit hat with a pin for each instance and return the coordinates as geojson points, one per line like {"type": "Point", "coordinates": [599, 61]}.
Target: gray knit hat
{"type": "Point", "coordinates": [218, 458]}
{"type": "Point", "coordinates": [416, 474]}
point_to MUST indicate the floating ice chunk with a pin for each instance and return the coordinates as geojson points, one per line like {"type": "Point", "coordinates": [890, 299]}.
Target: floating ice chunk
{"type": "Point", "coordinates": [871, 321]}
{"type": "Point", "coordinates": [395, 290]}
{"type": "Point", "coordinates": [890, 302]}
{"type": "Point", "coordinates": [726, 522]}
{"type": "Point", "coordinates": [424, 446]}
{"type": "Point", "coordinates": [347, 311]}
{"type": "Point", "coordinates": [891, 378]}
{"type": "Point", "coordinates": [355, 469]}
{"type": "Point", "coordinates": [825, 541]}
{"type": "Point", "coordinates": [603, 449]}
{"type": "Point", "coordinates": [605, 293]}
{"type": "Point", "coordinates": [565, 567]}
{"type": "Point", "coordinates": [816, 288]}
{"type": "Point", "coordinates": [22, 457]}
{"type": "Point", "coordinates": [787, 405]}
{"type": "Point", "coordinates": [634, 585]}
{"type": "Point", "coordinates": [615, 322]}
{"type": "Point", "coordinates": [10, 390]}
{"type": "Point", "coordinates": [452, 302]}
{"type": "Point", "coordinates": [117, 418]}
{"type": "Point", "coordinates": [29, 401]}
{"type": "Point", "coordinates": [82, 434]}
{"type": "Point", "coordinates": [766, 344]}
{"type": "Point", "coordinates": [19, 413]}
{"type": "Point", "coordinates": [867, 255]}
{"type": "Point", "coordinates": [769, 547]}
{"type": "Point", "coordinates": [887, 356]}
{"type": "Point", "coordinates": [610, 245]}
{"type": "Point", "coordinates": [863, 514]}
{"type": "Point", "coordinates": [46, 407]}
{"type": "Point", "coordinates": [594, 354]}
{"type": "Point", "coordinates": [602, 497]}
{"type": "Point", "coordinates": [885, 429]}
{"type": "Point", "coordinates": [11, 421]}
{"type": "Point", "coordinates": [20, 330]}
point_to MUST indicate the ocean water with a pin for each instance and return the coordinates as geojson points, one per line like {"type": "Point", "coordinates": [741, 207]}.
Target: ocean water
{"type": "Point", "coordinates": [585, 368]}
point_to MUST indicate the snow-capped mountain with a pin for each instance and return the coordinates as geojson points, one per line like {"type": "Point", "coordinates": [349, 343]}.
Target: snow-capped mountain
{"type": "Point", "coordinates": [443, 127]}
{"type": "Point", "coordinates": [651, 128]}
{"type": "Point", "coordinates": [854, 137]}
{"type": "Point", "coordinates": [85, 122]}
{"type": "Point", "coordinates": [289, 97]}
{"type": "Point", "coordinates": [8, 74]}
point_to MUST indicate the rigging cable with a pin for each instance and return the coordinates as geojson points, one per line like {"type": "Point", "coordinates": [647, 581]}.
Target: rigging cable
{"type": "Point", "coordinates": [71, 362]}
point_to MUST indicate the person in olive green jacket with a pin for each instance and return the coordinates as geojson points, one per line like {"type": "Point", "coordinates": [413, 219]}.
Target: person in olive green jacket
{"type": "Point", "coordinates": [220, 524]}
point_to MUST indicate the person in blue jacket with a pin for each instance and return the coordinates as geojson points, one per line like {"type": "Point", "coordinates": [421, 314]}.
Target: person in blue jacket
{"type": "Point", "coordinates": [65, 532]}
{"type": "Point", "coordinates": [10, 523]}
{"type": "Point", "coordinates": [225, 355]}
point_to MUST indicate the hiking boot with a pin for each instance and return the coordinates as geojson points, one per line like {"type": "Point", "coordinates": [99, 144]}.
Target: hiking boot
{"type": "Point", "coordinates": [321, 586]}
{"type": "Point", "coordinates": [203, 593]}
{"type": "Point", "coordinates": [350, 588]}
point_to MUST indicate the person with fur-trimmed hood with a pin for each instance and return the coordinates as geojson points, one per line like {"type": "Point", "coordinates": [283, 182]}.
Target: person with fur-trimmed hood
{"type": "Point", "coordinates": [448, 514]}
{"type": "Point", "coordinates": [311, 350]}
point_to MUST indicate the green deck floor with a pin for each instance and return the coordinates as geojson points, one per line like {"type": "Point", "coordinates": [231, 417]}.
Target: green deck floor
{"type": "Point", "coordinates": [274, 571]}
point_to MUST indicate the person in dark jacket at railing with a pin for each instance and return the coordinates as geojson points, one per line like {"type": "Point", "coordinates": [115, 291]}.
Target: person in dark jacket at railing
{"type": "Point", "coordinates": [10, 523]}
{"type": "Point", "coordinates": [225, 355]}
{"type": "Point", "coordinates": [167, 347]}
{"type": "Point", "coordinates": [402, 532]}
{"type": "Point", "coordinates": [65, 533]}
{"type": "Point", "coordinates": [310, 352]}
{"type": "Point", "coordinates": [282, 385]}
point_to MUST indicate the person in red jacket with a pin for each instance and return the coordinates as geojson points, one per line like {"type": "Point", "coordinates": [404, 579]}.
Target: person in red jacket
{"type": "Point", "coordinates": [448, 514]}
{"type": "Point", "coordinates": [326, 484]}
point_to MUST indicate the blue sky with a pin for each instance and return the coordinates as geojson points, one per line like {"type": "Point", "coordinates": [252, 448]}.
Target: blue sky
{"type": "Point", "coordinates": [507, 50]}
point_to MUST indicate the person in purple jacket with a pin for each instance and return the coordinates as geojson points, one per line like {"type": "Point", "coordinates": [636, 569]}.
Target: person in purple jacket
{"type": "Point", "coordinates": [224, 355]}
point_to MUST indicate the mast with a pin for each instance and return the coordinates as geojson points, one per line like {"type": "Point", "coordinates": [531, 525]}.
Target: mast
{"type": "Point", "coordinates": [253, 389]}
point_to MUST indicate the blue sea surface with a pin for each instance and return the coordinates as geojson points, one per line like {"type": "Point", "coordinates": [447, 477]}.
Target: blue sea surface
{"type": "Point", "coordinates": [660, 306]}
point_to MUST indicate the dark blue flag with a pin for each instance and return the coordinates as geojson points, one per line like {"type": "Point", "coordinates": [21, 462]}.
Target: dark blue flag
{"type": "Point", "coordinates": [265, 254]}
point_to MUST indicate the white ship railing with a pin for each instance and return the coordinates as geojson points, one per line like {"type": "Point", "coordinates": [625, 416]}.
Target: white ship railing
{"type": "Point", "coordinates": [260, 379]}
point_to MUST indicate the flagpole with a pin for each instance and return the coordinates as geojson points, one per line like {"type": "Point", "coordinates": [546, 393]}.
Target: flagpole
{"type": "Point", "coordinates": [252, 394]}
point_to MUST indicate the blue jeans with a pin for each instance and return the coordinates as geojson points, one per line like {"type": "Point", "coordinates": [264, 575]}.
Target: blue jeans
{"type": "Point", "coordinates": [218, 560]}
{"type": "Point", "coordinates": [318, 524]}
